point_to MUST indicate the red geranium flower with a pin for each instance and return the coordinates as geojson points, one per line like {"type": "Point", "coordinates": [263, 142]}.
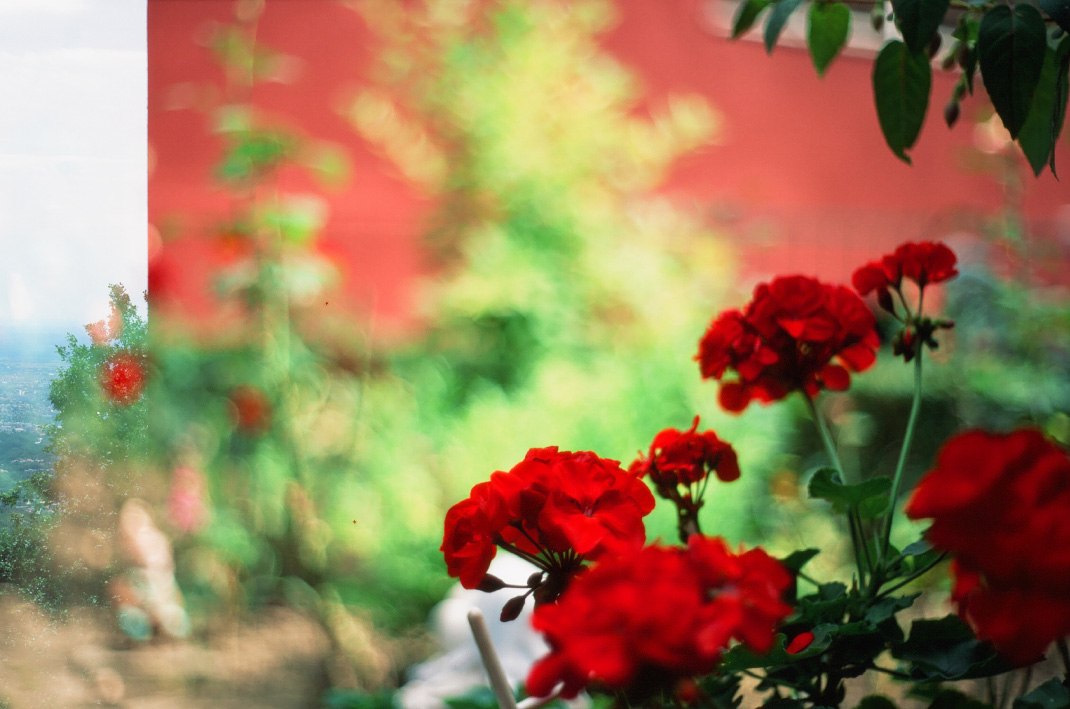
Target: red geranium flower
{"type": "Point", "coordinates": [687, 457]}
{"type": "Point", "coordinates": [122, 378]}
{"type": "Point", "coordinates": [557, 509]}
{"type": "Point", "coordinates": [1000, 505]}
{"type": "Point", "coordinates": [680, 463]}
{"type": "Point", "coordinates": [924, 263]}
{"type": "Point", "coordinates": [642, 623]}
{"type": "Point", "coordinates": [796, 334]}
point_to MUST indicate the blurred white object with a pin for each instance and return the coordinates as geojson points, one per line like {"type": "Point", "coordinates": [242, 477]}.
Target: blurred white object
{"type": "Point", "coordinates": [146, 597]}
{"type": "Point", "coordinates": [459, 668]}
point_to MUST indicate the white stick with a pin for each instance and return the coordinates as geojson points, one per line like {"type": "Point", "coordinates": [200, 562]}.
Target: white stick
{"type": "Point", "coordinates": [498, 681]}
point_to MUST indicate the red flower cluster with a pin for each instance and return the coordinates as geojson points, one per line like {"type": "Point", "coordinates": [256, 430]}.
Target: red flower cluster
{"type": "Point", "coordinates": [924, 263]}
{"type": "Point", "coordinates": [1001, 505]}
{"type": "Point", "coordinates": [642, 623]}
{"type": "Point", "coordinates": [686, 457]}
{"type": "Point", "coordinates": [122, 378]}
{"type": "Point", "coordinates": [786, 340]}
{"type": "Point", "coordinates": [554, 508]}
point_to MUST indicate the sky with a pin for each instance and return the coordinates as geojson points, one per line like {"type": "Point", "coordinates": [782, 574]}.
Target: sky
{"type": "Point", "coordinates": [73, 159]}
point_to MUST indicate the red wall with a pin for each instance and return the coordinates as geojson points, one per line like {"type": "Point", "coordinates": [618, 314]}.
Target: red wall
{"type": "Point", "coordinates": [801, 177]}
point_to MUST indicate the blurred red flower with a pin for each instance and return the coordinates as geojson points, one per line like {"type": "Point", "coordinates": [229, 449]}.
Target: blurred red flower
{"type": "Point", "coordinates": [642, 623]}
{"type": "Point", "coordinates": [186, 501]}
{"type": "Point", "coordinates": [250, 409]}
{"type": "Point", "coordinates": [796, 334]}
{"type": "Point", "coordinates": [924, 263]}
{"type": "Point", "coordinates": [103, 331]}
{"type": "Point", "coordinates": [555, 508]}
{"type": "Point", "coordinates": [1000, 504]}
{"type": "Point", "coordinates": [122, 377]}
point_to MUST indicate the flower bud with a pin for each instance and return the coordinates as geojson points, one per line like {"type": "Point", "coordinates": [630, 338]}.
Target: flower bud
{"type": "Point", "coordinates": [951, 113]}
{"type": "Point", "coordinates": [490, 584]}
{"type": "Point", "coordinates": [511, 609]}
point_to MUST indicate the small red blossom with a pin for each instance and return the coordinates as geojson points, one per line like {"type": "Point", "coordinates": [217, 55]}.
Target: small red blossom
{"type": "Point", "coordinates": [648, 622]}
{"type": "Point", "coordinates": [1000, 504]}
{"type": "Point", "coordinates": [687, 457]}
{"type": "Point", "coordinates": [679, 465]}
{"type": "Point", "coordinates": [122, 378]}
{"type": "Point", "coordinates": [924, 263]}
{"type": "Point", "coordinates": [797, 334]}
{"type": "Point", "coordinates": [250, 409]}
{"type": "Point", "coordinates": [556, 508]}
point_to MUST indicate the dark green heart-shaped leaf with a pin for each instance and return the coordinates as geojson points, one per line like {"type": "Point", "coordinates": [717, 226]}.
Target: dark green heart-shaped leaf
{"type": "Point", "coordinates": [1059, 11]}
{"type": "Point", "coordinates": [901, 83]}
{"type": "Point", "coordinates": [746, 14]}
{"type": "Point", "coordinates": [778, 17]}
{"type": "Point", "coordinates": [876, 701]}
{"type": "Point", "coordinates": [1045, 120]}
{"type": "Point", "coordinates": [946, 649]}
{"type": "Point", "coordinates": [1010, 47]}
{"type": "Point", "coordinates": [1062, 90]}
{"type": "Point", "coordinates": [797, 559]}
{"type": "Point", "coordinates": [1052, 694]}
{"type": "Point", "coordinates": [869, 497]}
{"type": "Point", "coordinates": [953, 699]}
{"type": "Point", "coordinates": [918, 20]}
{"type": "Point", "coordinates": [829, 25]}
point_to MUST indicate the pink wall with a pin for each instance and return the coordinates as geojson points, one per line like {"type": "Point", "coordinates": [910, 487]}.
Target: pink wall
{"type": "Point", "coordinates": [801, 178]}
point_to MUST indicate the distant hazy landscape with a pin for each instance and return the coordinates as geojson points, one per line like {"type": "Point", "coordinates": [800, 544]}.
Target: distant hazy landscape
{"type": "Point", "coordinates": [28, 361]}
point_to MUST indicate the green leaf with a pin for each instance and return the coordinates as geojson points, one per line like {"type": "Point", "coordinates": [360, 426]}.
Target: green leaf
{"type": "Point", "coordinates": [774, 24]}
{"type": "Point", "coordinates": [865, 496]}
{"type": "Point", "coordinates": [1011, 46]}
{"type": "Point", "coordinates": [901, 84]}
{"type": "Point", "coordinates": [953, 699]}
{"type": "Point", "coordinates": [1059, 11]}
{"type": "Point", "coordinates": [946, 649]}
{"type": "Point", "coordinates": [798, 559]}
{"type": "Point", "coordinates": [1052, 694]}
{"type": "Point", "coordinates": [1042, 126]}
{"type": "Point", "coordinates": [918, 20]}
{"type": "Point", "coordinates": [886, 608]}
{"type": "Point", "coordinates": [917, 548]}
{"type": "Point", "coordinates": [830, 23]}
{"type": "Point", "coordinates": [746, 15]}
{"type": "Point", "coordinates": [876, 701]}
{"type": "Point", "coordinates": [966, 32]}
{"type": "Point", "coordinates": [1062, 90]}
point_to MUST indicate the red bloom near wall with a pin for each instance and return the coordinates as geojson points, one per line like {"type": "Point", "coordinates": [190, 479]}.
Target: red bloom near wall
{"type": "Point", "coordinates": [122, 378]}
{"type": "Point", "coordinates": [797, 334]}
{"type": "Point", "coordinates": [923, 263]}
{"type": "Point", "coordinates": [1000, 504]}
{"type": "Point", "coordinates": [644, 622]}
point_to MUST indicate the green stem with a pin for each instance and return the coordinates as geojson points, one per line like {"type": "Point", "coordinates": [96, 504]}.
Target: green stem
{"type": "Point", "coordinates": [914, 576]}
{"type": "Point", "coordinates": [908, 438]}
{"type": "Point", "coordinates": [858, 541]}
